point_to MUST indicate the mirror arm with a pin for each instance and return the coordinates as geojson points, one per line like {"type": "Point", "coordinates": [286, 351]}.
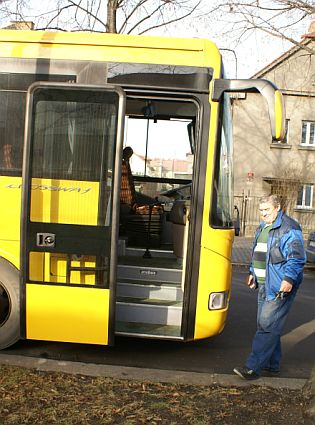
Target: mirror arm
{"type": "Point", "coordinates": [262, 86]}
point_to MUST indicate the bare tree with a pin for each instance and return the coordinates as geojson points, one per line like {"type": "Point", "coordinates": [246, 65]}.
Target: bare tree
{"type": "Point", "coordinates": [239, 18]}
{"type": "Point", "coordinates": [278, 18]}
{"type": "Point", "coordinates": [288, 181]}
{"type": "Point", "coordinates": [12, 9]}
{"type": "Point", "coordinates": [115, 16]}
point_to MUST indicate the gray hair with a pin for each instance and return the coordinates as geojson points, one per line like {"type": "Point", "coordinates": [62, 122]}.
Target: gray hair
{"type": "Point", "coordinates": [275, 200]}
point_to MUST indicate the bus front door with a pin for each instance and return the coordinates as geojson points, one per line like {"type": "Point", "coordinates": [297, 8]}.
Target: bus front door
{"type": "Point", "coordinates": [71, 179]}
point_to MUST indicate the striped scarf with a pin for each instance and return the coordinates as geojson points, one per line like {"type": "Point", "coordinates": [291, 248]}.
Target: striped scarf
{"type": "Point", "coordinates": [259, 256]}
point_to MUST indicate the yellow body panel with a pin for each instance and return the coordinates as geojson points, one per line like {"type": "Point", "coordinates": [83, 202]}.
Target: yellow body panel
{"type": "Point", "coordinates": [10, 211]}
{"type": "Point", "coordinates": [214, 276]}
{"type": "Point", "coordinates": [216, 248]}
{"type": "Point", "coordinates": [37, 266]}
{"type": "Point", "coordinates": [67, 314]}
{"type": "Point", "coordinates": [62, 201]}
{"type": "Point", "coordinates": [108, 47]}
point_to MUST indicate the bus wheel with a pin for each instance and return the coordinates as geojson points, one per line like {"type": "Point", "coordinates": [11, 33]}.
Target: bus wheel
{"type": "Point", "coordinates": [9, 304]}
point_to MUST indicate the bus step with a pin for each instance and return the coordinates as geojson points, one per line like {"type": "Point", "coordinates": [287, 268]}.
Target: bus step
{"type": "Point", "coordinates": [155, 253]}
{"type": "Point", "coordinates": [148, 330]}
{"type": "Point", "coordinates": [160, 292]}
{"type": "Point", "coordinates": [154, 274]}
{"type": "Point", "coordinates": [156, 312]}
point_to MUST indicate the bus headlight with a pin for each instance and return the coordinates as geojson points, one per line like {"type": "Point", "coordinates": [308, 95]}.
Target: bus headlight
{"type": "Point", "coordinates": [218, 300]}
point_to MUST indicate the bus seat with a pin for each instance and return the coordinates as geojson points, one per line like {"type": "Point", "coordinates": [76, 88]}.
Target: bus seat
{"type": "Point", "coordinates": [179, 217]}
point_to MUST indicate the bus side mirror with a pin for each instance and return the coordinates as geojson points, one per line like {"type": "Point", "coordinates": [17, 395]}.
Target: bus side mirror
{"type": "Point", "coordinates": [267, 89]}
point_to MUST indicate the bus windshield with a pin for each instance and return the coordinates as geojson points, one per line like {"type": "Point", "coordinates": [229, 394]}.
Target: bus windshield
{"type": "Point", "coordinates": [222, 211]}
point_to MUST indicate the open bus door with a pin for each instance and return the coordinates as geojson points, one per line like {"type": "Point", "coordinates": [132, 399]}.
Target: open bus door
{"type": "Point", "coordinates": [71, 180]}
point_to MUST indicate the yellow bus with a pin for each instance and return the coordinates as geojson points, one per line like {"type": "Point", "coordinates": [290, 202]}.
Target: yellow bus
{"type": "Point", "coordinates": [116, 186]}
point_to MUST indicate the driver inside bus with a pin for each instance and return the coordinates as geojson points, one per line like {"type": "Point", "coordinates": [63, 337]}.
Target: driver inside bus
{"type": "Point", "coordinates": [127, 189]}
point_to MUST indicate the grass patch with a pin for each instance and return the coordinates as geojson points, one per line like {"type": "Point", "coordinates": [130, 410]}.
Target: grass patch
{"type": "Point", "coordinates": [35, 397]}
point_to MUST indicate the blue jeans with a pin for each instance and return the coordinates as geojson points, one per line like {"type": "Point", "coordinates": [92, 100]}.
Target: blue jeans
{"type": "Point", "coordinates": [271, 317]}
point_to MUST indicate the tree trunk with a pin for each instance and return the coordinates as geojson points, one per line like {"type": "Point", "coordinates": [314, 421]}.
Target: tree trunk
{"type": "Point", "coordinates": [111, 16]}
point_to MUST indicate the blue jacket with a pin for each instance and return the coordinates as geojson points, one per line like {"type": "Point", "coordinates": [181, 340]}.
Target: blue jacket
{"type": "Point", "coordinates": [285, 257]}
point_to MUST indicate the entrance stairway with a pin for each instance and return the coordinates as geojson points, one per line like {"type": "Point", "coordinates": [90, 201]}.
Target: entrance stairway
{"type": "Point", "coordinates": [149, 298]}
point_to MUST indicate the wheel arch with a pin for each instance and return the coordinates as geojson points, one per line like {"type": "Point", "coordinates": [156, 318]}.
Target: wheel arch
{"type": "Point", "coordinates": [9, 304]}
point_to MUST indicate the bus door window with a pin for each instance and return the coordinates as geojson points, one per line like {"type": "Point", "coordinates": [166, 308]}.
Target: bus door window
{"type": "Point", "coordinates": [72, 172]}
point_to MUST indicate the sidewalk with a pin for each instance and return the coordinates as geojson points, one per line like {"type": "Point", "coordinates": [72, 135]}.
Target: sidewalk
{"type": "Point", "coordinates": [242, 249]}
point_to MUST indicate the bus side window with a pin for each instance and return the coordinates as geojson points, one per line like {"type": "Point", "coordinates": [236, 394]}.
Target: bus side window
{"type": "Point", "coordinates": [7, 160]}
{"type": "Point", "coordinates": [12, 113]}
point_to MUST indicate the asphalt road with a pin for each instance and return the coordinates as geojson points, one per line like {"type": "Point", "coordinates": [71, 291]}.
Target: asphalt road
{"type": "Point", "coordinates": [216, 355]}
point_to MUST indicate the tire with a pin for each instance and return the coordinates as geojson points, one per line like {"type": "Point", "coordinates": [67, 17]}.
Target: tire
{"type": "Point", "coordinates": [9, 304]}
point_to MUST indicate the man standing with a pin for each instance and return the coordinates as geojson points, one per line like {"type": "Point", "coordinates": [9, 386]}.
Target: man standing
{"type": "Point", "coordinates": [276, 269]}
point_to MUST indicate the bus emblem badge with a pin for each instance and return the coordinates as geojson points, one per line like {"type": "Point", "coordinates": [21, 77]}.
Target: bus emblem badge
{"type": "Point", "coordinates": [148, 272]}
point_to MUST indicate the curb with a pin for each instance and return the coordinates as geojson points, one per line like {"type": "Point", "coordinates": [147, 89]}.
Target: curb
{"type": "Point", "coordinates": [144, 374]}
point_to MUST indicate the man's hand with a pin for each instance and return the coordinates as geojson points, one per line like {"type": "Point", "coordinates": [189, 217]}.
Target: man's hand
{"type": "Point", "coordinates": [251, 282]}
{"type": "Point", "coordinates": [286, 286]}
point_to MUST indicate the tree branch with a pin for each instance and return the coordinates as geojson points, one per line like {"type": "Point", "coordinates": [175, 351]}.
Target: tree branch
{"type": "Point", "coordinates": [129, 16]}
{"type": "Point", "coordinates": [78, 6]}
{"type": "Point", "coordinates": [164, 23]}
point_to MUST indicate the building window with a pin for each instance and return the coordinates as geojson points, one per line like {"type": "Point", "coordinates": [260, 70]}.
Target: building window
{"type": "Point", "coordinates": [287, 131]}
{"type": "Point", "coordinates": [305, 196]}
{"type": "Point", "coordinates": [285, 141]}
{"type": "Point", "coordinates": [308, 133]}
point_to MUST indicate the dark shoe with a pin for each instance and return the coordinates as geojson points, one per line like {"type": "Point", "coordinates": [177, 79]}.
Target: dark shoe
{"type": "Point", "coordinates": [246, 373]}
{"type": "Point", "coordinates": [271, 370]}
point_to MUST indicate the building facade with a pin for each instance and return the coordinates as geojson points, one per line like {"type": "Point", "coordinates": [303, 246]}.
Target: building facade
{"type": "Point", "coordinates": [287, 168]}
